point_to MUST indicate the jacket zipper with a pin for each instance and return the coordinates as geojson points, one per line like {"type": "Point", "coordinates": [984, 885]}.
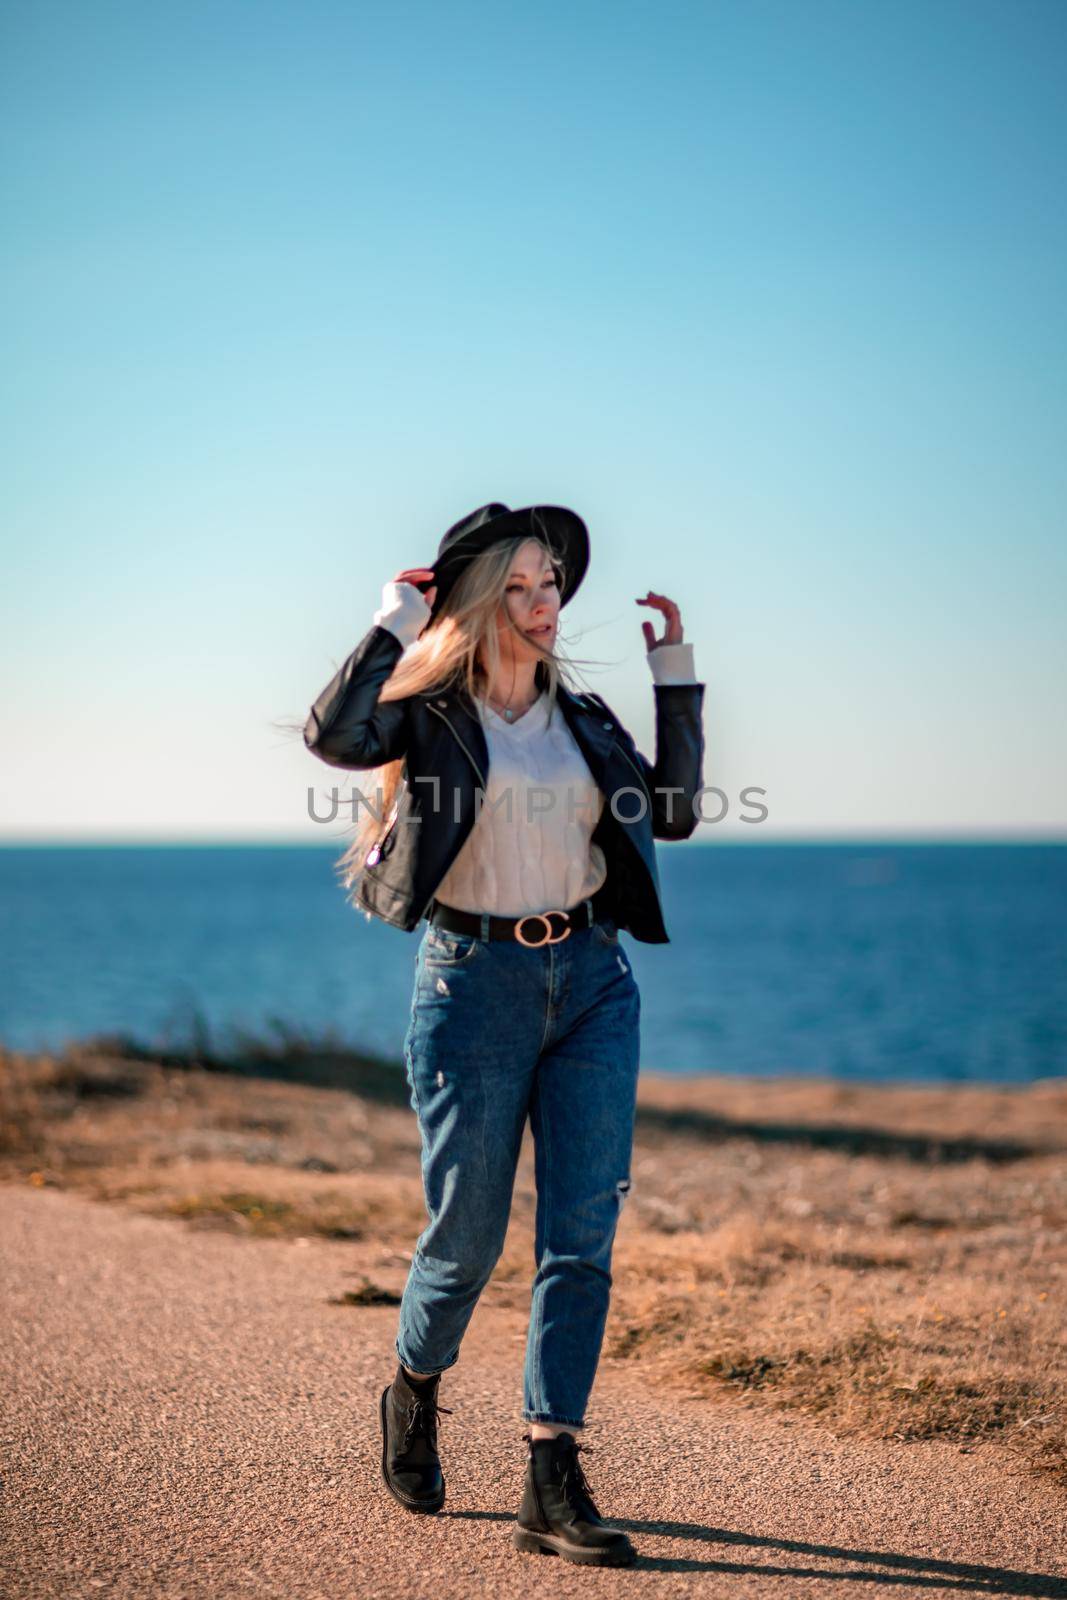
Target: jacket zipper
{"type": "Point", "coordinates": [374, 854]}
{"type": "Point", "coordinates": [473, 763]}
{"type": "Point", "coordinates": [637, 769]}
{"type": "Point", "coordinates": [456, 736]}
{"type": "Point", "coordinates": [623, 751]}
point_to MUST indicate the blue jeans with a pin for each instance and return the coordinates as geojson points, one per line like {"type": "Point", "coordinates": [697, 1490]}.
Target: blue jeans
{"type": "Point", "coordinates": [499, 1032]}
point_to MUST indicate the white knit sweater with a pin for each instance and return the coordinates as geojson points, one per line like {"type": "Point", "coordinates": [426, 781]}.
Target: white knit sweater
{"type": "Point", "coordinates": [531, 845]}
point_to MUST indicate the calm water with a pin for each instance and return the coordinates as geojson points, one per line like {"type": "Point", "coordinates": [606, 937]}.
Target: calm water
{"type": "Point", "coordinates": [859, 961]}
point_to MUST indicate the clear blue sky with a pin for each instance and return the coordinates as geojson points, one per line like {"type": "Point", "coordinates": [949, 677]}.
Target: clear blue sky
{"type": "Point", "coordinates": [773, 293]}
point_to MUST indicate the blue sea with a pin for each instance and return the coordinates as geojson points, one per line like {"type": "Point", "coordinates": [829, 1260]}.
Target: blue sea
{"type": "Point", "coordinates": [891, 962]}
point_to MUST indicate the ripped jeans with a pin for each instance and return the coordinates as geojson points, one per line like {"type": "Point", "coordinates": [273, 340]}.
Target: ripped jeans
{"type": "Point", "coordinates": [499, 1032]}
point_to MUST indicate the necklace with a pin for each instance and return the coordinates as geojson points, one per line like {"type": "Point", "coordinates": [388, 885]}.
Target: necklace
{"type": "Point", "coordinates": [508, 712]}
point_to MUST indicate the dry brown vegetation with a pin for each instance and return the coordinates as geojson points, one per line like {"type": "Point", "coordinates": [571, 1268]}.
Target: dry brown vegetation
{"type": "Point", "coordinates": [891, 1260]}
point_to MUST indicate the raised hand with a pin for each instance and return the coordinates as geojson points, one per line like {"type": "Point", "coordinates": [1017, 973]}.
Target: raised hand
{"type": "Point", "coordinates": [672, 633]}
{"type": "Point", "coordinates": [417, 576]}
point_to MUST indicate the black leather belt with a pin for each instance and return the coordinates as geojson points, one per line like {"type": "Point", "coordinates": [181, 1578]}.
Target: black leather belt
{"type": "Point", "coordinates": [533, 930]}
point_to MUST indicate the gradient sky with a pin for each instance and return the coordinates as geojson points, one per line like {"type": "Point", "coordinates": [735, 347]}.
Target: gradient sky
{"type": "Point", "coordinates": [773, 293]}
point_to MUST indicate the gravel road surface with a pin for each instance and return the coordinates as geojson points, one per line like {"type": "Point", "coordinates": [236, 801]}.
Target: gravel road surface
{"type": "Point", "coordinates": [188, 1413]}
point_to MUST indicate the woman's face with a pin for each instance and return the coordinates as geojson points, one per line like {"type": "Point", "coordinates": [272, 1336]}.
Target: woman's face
{"type": "Point", "coordinates": [532, 600]}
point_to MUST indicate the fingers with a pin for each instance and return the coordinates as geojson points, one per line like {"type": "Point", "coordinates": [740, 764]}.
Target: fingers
{"type": "Point", "coordinates": [417, 577]}
{"type": "Point", "coordinates": [672, 633]}
{"type": "Point", "coordinates": [660, 601]}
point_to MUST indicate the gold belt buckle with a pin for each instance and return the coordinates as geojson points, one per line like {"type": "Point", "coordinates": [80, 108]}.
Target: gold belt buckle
{"type": "Point", "coordinates": [542, 916]}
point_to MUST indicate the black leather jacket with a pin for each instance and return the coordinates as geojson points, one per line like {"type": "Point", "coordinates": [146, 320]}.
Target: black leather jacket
{"type": "Point", "coordinates": [440, 736]}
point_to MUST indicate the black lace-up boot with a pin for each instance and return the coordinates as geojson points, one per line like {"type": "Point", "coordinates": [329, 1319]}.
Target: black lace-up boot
{"type": "Point", "coordinates": [411, 1466]}
{"type": "Point", "coordinates": [557, 1516]}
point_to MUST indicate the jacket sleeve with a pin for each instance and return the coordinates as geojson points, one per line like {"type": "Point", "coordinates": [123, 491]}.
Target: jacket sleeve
{"type": "Point", "coordinates": [347, 726]}
{"type": "Point", "coordinates": [679, 763]}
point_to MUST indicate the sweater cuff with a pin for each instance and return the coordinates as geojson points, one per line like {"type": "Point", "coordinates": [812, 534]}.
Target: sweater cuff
{"type": "Point", "coordinates": [672, 663]}
{"type": "Point", "coordinates": [403, 611]}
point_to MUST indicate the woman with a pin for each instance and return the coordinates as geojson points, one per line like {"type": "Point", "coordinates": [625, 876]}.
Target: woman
{"type": "Point", "coordinates": [518, 817]}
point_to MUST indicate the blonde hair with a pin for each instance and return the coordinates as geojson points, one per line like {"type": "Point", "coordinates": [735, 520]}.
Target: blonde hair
{"type": "Point", "coordinates": [448, 655]}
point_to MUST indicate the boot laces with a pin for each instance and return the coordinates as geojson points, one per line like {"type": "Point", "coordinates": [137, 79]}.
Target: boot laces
{"type": "Point", "coordinates": [575, 1484]}
{"type": "Point", "coordinates": [423, 1412]}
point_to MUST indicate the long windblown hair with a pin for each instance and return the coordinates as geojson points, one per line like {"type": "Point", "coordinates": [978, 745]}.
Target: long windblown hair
{"type": "Point", "coordinates": [448, 655]}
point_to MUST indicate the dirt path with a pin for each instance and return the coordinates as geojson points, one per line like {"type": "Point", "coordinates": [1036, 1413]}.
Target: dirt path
{"type": "Point", "coordinates": [185, 1413]}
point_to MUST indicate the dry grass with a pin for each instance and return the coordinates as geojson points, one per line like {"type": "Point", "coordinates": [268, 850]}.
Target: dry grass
{"type": "Point", "coordinates": [888, 1261]}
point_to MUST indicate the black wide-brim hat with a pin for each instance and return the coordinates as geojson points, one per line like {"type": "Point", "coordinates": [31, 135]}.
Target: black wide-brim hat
{"type": "Point", "coordinates": [563, 530]}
